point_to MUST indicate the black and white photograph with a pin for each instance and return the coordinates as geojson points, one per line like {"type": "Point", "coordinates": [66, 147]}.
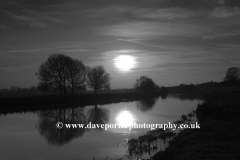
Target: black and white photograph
{"type": "Point", "coordinates": [119, 79]}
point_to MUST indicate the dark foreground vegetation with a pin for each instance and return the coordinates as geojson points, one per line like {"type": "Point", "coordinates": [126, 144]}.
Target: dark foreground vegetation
{"type": "Point", "coordinates": [218, 138]}
{"type": "Point", "coordinates": [38, 102]}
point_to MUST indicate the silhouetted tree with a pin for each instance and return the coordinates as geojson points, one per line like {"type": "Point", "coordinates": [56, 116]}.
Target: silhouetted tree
{"type": "Point", "coordinates": [60, 72]}
{"type": "Point", "coordinates": [232, 74]}
{"type": "Point", "coordinates": [184, 117]}
{"type": "Point", "coordinates": [107, 87]}
{"type": "Point", "coordinates": [146, 104]}
{"type": "Point", "coordinates": [54, 136]}
{"type": "Point", "coordinates": [77, 75]}
{"type": "Point", "coordinates": [145, 83]}
{"type": "Point", "coordinates": [164, 90]}
{"type": "Point", "coordinates": [53, 73]}
{"type": "Point", "coordinates": [15, 89]}
{"type": "Point", "coordinates": [98, 78]}
{"type": "Point", "coordinates": [98, 115]}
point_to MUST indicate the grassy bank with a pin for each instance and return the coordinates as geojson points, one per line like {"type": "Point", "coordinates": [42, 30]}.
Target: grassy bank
{"type": "Point", "coordinates": [218, 138]}
{"type": "Point", "coordinates": [37, 102]}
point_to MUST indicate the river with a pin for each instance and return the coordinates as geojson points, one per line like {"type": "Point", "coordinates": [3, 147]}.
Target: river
{"type": "Point", "coordinates": [34, 136]}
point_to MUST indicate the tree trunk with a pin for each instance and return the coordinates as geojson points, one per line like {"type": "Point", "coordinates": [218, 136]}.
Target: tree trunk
{"type": "Point", "coordinates": [64, 85]}
{"type": "Point", "coordinates": [64, 117]}
{"type": "Point", "coordinates": [64, 89]}
{"type": "Point", "coordinates": [72, 89]}
{"type": "Point", "coordinates": [95, 91]}
{"type": "Point", "coordinates": [60, 85]}
{"type": "Point", "coordinates": [60, 88]}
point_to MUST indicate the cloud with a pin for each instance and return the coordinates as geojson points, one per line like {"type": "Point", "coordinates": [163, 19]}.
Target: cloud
{"type": "Point", "coordinates": [155, 29]}
{"type": "Point", "coordinates": [225, 33]}
{"type": "Point", "coordinates": [18, 67]}
{"type": "Point", "coordinates": [157, 32]}
{"type": "Point", "coordinates": [29, 20]}
{"type": "Point", "coordinates": [232, 3]}
{"type": "Point", "coordinates": [21, 13]}
{"type": "Point", "coordinates": [164, 13]}
{"type": "Point", "coordinates": [115, 10]}
{"type": "Point", "coordinates": [3, 27]}
{"type": "Point", "coordinates": [77, 50]}
{"type": "Point", "coordinates": [30, 50]}
{"type": "Point", "coordinates": [208, 67]}
{"type": "Point", "coordinates": [41, 2]}
{"type": "Point", "coordinates": [153, 23]}
{"type": "Point", "coordinates": [145, 60]}
{"type": "Point", "coordinates": [38, 24]}
{"type": "Point", "coordinates": [225, 12]}
{"type": "Point", "coordinates": [136, 13]}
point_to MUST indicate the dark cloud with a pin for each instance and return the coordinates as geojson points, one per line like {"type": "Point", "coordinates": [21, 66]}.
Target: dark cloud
{"type": "Point", "coordinates": [42, 2]}
{"type": "Point", "coordinates": [189, 3]}
{"type": "Point", "coordinates": [197, 3]}
{"type": "Point", "coordinates": [165, 35]}
{"type": "Point", "coordinates": [232, 3]}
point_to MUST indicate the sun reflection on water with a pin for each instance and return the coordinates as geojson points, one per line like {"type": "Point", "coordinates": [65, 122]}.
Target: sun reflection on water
{"type": "Point", "coordinates": [125, 118]}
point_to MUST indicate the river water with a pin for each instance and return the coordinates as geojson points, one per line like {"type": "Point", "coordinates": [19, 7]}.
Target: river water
{"type": "Point", "coordinates": [34, 136]}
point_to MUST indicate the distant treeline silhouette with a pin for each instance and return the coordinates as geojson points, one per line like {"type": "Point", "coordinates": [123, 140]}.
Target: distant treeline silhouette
{"type": "Point", "coordinates": [60, 73]}
{"type": "Point", "coordinates": [16, 89]}
{"type": "Point", "coordinates": [198, 88]}
{"type": "Point", "coordinates": [32, 103]}
{"type": "Point", "coordinates": [232, 78]}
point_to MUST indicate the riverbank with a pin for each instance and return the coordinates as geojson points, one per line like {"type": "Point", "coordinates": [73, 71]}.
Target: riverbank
{"type": "Point", "coordinates": [218, 138]}
{"type": "Point", "coordinates": [38, 102]}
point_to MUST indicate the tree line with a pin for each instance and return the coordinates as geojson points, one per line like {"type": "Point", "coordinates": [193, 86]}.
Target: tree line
{"type": "Point", "coordinates": [232, 78]}
{"type": "Point", "coordinates": [63, 74]}
{"type": "Point", "coordinates": [16, 89]}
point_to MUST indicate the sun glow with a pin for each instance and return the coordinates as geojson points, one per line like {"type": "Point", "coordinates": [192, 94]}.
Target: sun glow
{"type": "Point", "coordinates": [125, 119]}
{"type": "Point", "coordinates": [125, 62]}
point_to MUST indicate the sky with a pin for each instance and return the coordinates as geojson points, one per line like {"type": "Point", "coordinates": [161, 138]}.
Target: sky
{"type": "Point", "coordinates": [171, 41]}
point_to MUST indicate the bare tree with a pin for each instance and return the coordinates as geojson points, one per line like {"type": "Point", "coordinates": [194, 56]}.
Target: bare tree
{"type": "Point", "coordinates": [77, 75]}
{"type": "Point", "coordinates": [52, 73]}
{"type": "Point", "coordinates": [54, 136]}
{"type": "Point", "coordinates": [60, 72]}
{"type": "Point", "coordinates": [232, 73]}
{"type": "Point", "coordinates": [98, 78]}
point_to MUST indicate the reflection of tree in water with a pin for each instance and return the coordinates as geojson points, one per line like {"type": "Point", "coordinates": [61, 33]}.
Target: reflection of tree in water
{"type": "Point", "coordinates": [187, 97]}
{"type": "Point", "coordinates": [184, 97]}
{"type": "Point", "coordinates": [47, 125]}
{"type": "Point", "coordinates": [98, 115]}
{"type": "Point", "coordinates": [146, 104]}
{"type": "Point", "coordinates": [164, 96]}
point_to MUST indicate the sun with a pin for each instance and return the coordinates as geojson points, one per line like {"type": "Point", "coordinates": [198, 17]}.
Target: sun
{"type": "Point", "coordinates": [125, 119]}
{"type": "Point", "coordinates": [125, 62]}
